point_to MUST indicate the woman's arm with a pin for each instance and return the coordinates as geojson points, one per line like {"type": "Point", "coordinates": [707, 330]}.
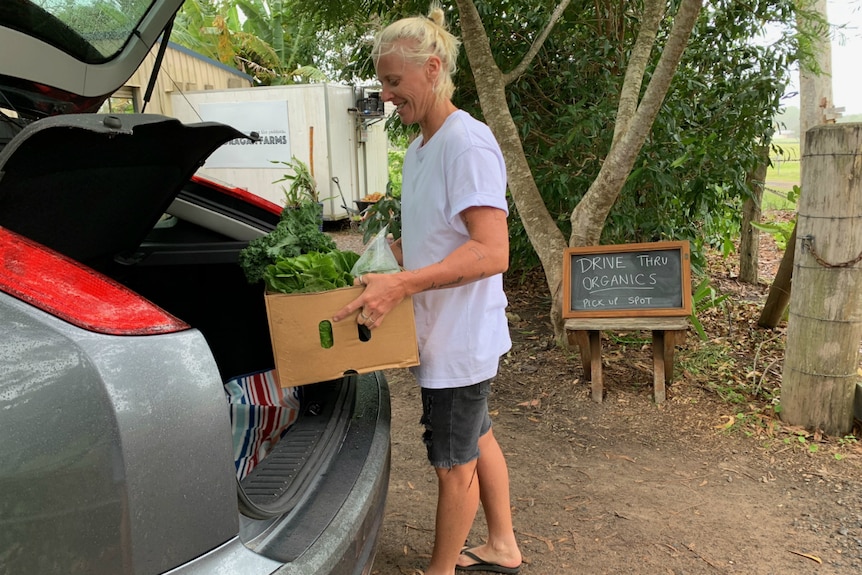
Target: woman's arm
{"type": "Point", "coordinates": [486, 253]}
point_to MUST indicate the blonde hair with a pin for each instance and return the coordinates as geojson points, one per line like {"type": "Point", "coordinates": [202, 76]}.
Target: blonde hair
{"type": "Point", "coordinates": [418, 38]}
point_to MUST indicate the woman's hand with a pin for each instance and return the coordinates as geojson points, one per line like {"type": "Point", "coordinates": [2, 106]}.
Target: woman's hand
{"type": "Point", "coordinates": [381, 294]}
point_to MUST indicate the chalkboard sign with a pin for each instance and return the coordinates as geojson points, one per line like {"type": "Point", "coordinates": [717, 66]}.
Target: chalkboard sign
{"type": "Point", "coordinates": [627, 280]}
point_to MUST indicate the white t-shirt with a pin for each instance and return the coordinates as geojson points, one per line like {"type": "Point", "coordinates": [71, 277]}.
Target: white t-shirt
{"type": "Point", "coordinates": [462, 331]}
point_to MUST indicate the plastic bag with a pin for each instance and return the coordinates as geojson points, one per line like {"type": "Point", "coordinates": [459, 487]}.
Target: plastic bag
{"type": "Point", "coordinates": [377, 257]}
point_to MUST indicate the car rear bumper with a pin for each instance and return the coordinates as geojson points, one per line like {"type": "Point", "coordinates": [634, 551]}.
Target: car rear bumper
{"type": "Point", "coordinates": [346, 544]}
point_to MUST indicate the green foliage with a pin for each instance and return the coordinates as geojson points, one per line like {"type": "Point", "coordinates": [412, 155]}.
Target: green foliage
{"type": "Point", "coordinates": [302, 187]}
{"type": "Point", "coordinates": [704, 298]}
{"type": "Point", "coordinates": [105, 24]}
{"type": "Point", "coordinates": [267, 39]}
{"type": "Point", "coordinates": [396, 163]}
{"type": "Point", "coordinates": [690, 180]}
{"type": "Point", "coordinates": [384, 212]}
{"type": "Point", "coordinates": [297, 233]}
{"type": "Point", "coordinates": [311, 272]}
{"type": "Point", "coordinates": [779, 230]}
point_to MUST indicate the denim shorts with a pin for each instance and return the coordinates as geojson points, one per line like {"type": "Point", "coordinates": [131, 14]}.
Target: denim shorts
{"type": "Point", "coordinates": [454, 420]}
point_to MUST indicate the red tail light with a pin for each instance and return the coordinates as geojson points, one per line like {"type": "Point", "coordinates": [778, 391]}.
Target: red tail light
{"type": "Point", "coordinates": [64, 288]}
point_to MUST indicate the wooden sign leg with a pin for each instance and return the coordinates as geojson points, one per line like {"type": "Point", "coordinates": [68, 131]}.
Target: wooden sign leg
{"type": "Point", "coordinates": [582, 341]}
{"type": "Point", "coordinates": [581, 338]}
{"type": "Point", "coordinates": [670, 340]}
{"type": "Point", "coordinates": [589, 343]}
{"type": "Point", "coordinates": [661, 340]}
{"type": "Point", "coordinates": [596, 364]}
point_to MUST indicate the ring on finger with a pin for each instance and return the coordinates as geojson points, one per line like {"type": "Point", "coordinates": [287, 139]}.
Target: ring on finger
{"type": "Point", "coordinates": [363, 316]}
{"type": "Point", "coordinates": [361, 281]}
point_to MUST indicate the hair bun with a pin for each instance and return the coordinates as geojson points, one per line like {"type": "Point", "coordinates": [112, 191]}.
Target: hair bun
{"type": "Point", "coordinates": [437, 16]}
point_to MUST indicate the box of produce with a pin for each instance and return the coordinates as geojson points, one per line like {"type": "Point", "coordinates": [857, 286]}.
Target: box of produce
{"type": "Point", "coordinates": [307, 279]}
{"type": "Point", "coordinates": [309, 347]}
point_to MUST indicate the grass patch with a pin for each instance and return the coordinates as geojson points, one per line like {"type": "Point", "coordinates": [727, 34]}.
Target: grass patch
{"type": "Point", "coordinates": [782, 175]}
{"type": "Point", "coordinates": [712, 366]}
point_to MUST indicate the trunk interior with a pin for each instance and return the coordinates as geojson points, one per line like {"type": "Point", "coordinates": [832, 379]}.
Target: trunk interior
{"type": "Point", "coordinates": [192, 272]}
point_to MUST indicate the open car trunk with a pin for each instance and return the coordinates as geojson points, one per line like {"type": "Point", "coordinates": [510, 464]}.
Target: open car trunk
{"type": "Point", "coordinates": [190, 269]}
{"type": "Point", "coordinates": [97, 187]}
{"type": "Point", "coordinates": [116, 194]}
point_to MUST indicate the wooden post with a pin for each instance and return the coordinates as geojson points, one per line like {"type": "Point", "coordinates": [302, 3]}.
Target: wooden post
{"type": "Point", "coordinates": [311, 150]}
{"type": "Point", "coordinates": [825, 324]}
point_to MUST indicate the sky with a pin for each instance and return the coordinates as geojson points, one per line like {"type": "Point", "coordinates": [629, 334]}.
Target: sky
{"type": "Point", "coordinates": [846, 56]}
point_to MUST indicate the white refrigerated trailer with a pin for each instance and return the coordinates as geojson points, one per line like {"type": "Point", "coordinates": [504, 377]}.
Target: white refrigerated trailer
{"type": "Point", "coordinates": [337, 130]}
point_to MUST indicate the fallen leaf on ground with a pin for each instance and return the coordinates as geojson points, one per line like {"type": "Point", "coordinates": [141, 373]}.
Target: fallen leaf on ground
{"type": "Point", "coordinates": [728, 424]}
{"type": "Point", "coordinates": [614, 456]}
{"type": "Point", "coordinates": [807, 556]}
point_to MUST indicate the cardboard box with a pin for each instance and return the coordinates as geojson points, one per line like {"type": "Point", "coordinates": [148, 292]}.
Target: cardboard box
{"type": "Point", "coordinates": [300, 355]}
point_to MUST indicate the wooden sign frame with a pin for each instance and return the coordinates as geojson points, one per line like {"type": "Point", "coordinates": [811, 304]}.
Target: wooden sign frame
{"type": "Point", "coordinates": [643, 252]}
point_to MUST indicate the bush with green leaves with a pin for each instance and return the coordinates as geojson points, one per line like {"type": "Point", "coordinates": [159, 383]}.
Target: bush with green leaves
{"type": "Point", "coordinates": [382, 213]}
{"type": "Point", "coordinates": [703, 298]}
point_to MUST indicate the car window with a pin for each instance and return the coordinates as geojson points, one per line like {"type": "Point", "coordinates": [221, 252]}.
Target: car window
{"type": "Point", "coordinates": [91, 30]}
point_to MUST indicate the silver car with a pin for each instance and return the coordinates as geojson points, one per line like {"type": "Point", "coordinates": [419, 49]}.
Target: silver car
{"type": "Point", "coordinates": [141, 430]}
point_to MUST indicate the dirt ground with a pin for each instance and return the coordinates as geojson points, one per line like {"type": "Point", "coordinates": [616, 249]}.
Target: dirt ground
{"type": "Point", "coordinates": [709, 482]}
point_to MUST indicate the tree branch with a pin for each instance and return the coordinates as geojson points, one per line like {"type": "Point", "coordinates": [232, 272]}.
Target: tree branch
{"type": "Point", "coordinates": [513, 75]}
{"type": "Point", "coordinates": [656, 90]}
{"type": "Point", "coordinates": [630, 92]}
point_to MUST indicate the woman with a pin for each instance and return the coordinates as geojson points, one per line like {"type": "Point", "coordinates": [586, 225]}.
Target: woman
{"type": "Point", "coordinates": [454, 248]}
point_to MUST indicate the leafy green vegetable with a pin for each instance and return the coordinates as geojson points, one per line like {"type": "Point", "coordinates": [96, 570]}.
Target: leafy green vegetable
{"type": "Point", "coordinates": [311, 272]}
{"type": "Point", "coordinates": [324, 329]}
{"type": "Point", "coordinates": [298, 232]}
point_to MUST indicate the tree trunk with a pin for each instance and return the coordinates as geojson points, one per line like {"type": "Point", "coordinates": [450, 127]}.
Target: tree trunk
{"type": "Point", "coordinates": [779, 291]}
{"type": "Point", "coordinates": [815, 84]}
{"type": "Point", "coordinates": [825, 323]}
{"type": "Point", "coordinates": [545, 236]}
{"type": "Point", "coordinates": [749, 242]}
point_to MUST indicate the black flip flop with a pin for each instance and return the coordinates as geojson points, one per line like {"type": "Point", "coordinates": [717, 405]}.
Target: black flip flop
{"type": "Point", "coordinates": [482, 565]}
